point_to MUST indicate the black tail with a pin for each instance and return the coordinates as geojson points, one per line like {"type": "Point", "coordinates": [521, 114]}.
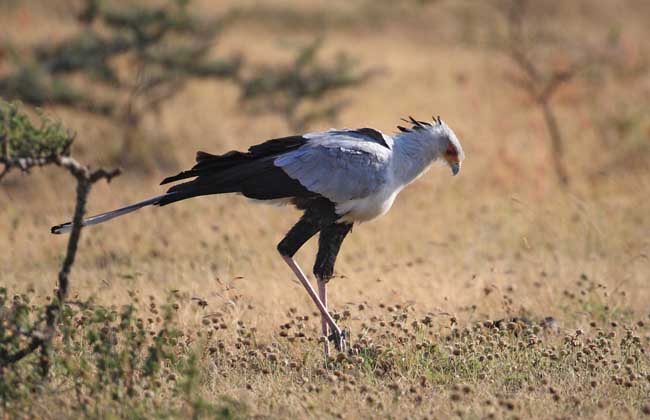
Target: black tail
{"type": "Point", "coordinates": [101, 218]}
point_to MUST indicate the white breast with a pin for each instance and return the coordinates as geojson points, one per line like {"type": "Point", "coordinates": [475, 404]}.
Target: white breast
{"type": "Point", "coordinates": [367, 208]}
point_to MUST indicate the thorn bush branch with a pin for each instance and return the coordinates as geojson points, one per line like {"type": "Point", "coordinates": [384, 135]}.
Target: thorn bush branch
{"type": "Point", "coordinates": [25, 146]}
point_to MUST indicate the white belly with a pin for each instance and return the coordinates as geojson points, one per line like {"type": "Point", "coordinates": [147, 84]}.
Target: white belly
{"type": "Point", "coordinates": [365, 209]}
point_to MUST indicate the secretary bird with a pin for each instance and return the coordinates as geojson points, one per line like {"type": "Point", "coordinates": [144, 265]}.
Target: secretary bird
{"type": "Point", "coordinates": [337, 177]}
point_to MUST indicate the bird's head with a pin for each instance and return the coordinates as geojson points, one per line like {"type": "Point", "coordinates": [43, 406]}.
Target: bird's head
{"type": "Point", "coordinates": [454, 154]}
{"type": "Point", "coordinates": [446, 144]}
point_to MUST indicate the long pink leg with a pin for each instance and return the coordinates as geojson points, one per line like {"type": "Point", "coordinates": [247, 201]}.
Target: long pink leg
{"type": "Point", "coordinates": [312, 293]}
{"type": "Point", "coordinates": [322, 292]}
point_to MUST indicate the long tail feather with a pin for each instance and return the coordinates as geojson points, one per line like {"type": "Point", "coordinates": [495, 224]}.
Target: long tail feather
{"type": "Point", "coordinates": [101, 218]}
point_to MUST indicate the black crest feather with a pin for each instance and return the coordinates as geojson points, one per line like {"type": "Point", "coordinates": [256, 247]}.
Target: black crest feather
{"type": "Point", "coordinates": [417, 125]}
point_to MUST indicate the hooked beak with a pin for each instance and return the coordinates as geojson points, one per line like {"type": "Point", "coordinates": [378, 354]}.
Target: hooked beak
{"type": "Point", "coordinates": [455, 167]}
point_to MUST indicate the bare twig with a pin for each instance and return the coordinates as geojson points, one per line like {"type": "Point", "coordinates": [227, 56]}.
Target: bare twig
{"type": "Point", "coordinates": [5, 138]}
{"type": "Point", "coordinates": [557, 143]}
{"type": "Point", "coordinates": [22, 353]}
{"type": "Point", "coordinates": [27, 163]}
{"type": "Point", "coordinates": [85, 180]}
{"type": "Point", "coordinates": [4, 141]}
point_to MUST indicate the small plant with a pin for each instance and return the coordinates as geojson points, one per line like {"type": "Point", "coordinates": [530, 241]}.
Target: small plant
{"type": "Point", "coordinates": [299, 91]}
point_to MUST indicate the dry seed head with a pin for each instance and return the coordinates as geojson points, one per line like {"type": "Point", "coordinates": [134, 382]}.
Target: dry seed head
{"type": "Point", "coordinates": [507, 404]}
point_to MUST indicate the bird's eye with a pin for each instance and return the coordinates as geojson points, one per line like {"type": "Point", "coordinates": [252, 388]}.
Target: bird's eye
{"type": "Point", "coordinates": [451, 151]}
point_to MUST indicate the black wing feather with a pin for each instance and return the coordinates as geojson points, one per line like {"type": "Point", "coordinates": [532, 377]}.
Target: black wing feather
{"type": "Point", "coordinates": [207, 162]}
{"type": "Point", "coordinates": [250, 173]}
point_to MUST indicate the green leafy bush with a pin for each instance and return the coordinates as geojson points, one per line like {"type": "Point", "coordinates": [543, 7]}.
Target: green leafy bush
{"type": "Point", "coordinates": [23, 144]}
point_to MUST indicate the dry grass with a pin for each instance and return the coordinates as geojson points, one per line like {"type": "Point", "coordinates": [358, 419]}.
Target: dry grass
{"type": "Point", "coordinates": [498, 242]}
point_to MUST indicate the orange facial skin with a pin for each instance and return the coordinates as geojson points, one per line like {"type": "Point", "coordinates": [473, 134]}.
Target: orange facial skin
{"type": "Point", "coordinates": [451, 155]}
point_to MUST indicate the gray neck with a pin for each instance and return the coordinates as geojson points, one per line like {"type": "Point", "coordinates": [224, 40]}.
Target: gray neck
{"type": "Point", "coordinates": [413, 153]}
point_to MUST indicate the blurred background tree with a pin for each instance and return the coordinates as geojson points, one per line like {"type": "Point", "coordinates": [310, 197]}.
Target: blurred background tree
{"type": "Point", "coordinates": [540, 76]}
{"type": "Point", "coordinates": [124, 62]}
{"type": "Point", "coordinates": [302, 91]}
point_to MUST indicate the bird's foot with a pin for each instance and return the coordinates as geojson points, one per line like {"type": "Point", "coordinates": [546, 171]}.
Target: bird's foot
{"type": "Point", "coordinates": [339, 338]}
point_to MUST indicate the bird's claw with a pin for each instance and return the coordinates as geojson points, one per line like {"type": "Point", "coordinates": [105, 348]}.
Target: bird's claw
{"type": "Point", "coordinates": [339, 338]}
